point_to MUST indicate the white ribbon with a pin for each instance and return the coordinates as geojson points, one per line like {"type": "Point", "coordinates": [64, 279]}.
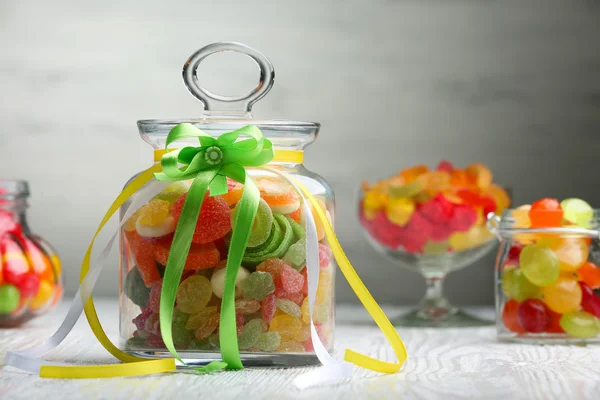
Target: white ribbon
{"type": "Point", "coordinates": [332, 369]}
{"type": "Point", "coordinates": [29, 359]}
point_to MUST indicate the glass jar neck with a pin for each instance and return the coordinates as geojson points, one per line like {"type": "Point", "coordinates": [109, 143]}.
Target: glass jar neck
{"type": "Point", "coordinates": [13, 200]}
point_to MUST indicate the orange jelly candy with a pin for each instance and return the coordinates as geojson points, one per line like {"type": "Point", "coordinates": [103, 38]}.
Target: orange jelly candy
{"type": "Point", "coordinates": [509, 316]}
{"type": "Point", "coordinates": [479, 175]}
{"type": "Point", "coordinates": [412, 173]}
{"type": "Point", "coordinates": [589, 273]}
{"type": "Point", "coordinates": [546, 213]}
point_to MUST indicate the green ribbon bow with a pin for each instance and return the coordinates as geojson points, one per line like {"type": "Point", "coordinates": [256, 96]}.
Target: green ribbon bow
{"type": "Point", "coordinates": [209, 165]}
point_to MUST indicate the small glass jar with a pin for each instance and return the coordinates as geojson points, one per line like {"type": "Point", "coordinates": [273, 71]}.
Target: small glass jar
{"type": "Point", "coordinates": [547, 279]}
{"type": "Point", "coordinates": [271, 289]}
{"type": "Point", "coordinates": [30, 271]}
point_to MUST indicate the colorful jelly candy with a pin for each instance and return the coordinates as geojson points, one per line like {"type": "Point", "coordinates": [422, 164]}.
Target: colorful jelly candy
{"type": "Point", "coordinates": [510, 316]}
{"type": "Point", "coordinates": [194, 294]}
{"type": "Point", "coordinates": [296, 254]}
{"type": "Point", "coordinates": [9, 298]}
{"type": "Point", "coordinates": [563, 296]}
{"type": "Point", "coordinates": [155, 220]}
{"type": "Point", "coordinates": [234, 192]}
{"type": "Point", "coordinates": [577, 211]}
{"type": "Point", "coordinates": [258, 285]}
{"type": "Point", "coordinates": [540, 265]}
{"type": "Point", "coordinates": [289, 307]}
{"type": "Point", "coordinates": [144, 256]}
{"type": "Point", "coordinates": [590, 274]}
{"type": "Point", "coordinates": [533, 315]}
{"type": "Point", "coordinates": [200, 256]}
{"type": "Point", "coordinates": [135, 288]}
{"type": "Point", "coordinates": [214, 220]}
{"type": "Point", "coordinates": [251, 333]}
{"type": "Point", "coordinates": [197, 319]}
{"type": "Point", "coordinates": [269, 341]}
{"type": "Point", "coordinates": [546, 213]}
{"type": "Point", "coordinates": [247, 306]}
{"type": "Point", "coordinates": [580, 324]}
{"type": "Point", "coordinates": [263, 222]}
{"type": "Point", "coordinates": [282, 198]}
{"type": "Point", "coordinates": [516, 286]}
{"type": "Point", "coordinates": [218, 281]}
{"type": "Point", "coordinates": [285, 325]}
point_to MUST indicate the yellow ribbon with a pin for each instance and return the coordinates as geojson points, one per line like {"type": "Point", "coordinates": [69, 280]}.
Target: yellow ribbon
{"type": "Point", "coordinates": [139, 366]}
{"type": "Point", "coordinates": [286, 156]}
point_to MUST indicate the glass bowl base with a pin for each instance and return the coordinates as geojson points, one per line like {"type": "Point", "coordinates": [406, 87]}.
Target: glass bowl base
{"type": "Point", "coordinates": [439, 318]}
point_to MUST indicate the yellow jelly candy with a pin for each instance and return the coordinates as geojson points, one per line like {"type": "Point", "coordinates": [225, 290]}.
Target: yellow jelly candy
{"type": "Point", "coordinates": [324, 288]}
{"type": "Point", "coordinates": [474, 237]}
{"type": "Point", "coordinates": [129, 226]}
{"type": "Point", "coordinates": [399, 210]}
{"type": "Point", "coordinates": [375, 200]}
{"type": "Point", "coordinates": [572, 252]}
{"type": "Point", "coordinates": [286, 325]}
{"type": "Point", "coordinates": [155, 212]}
{"type": "Point", "coordinates": [437, 181]}
{"type": "Point", "coordinates": [479, 175]}
{"type": "Point", "coordinates": [290, 346]}
{"type": "Point", "coordinates": [43, 296]}
{"type": "Point", "coordinates": [411, 174]}
{"type": "Point", "coordinates": [305, 311]}
{"type": "Point", "coordinates": [500, 196]}
{"type": "Point", "coordinates": [563, 296]}
{"type": "Point", "coordinates": [303, 334]}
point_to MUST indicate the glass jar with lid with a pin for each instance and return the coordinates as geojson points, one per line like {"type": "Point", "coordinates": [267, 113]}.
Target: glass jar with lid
{"type": "Point", "coordinates": [271, 303]}
{"type": "Point", "coordinates": [30, 271]}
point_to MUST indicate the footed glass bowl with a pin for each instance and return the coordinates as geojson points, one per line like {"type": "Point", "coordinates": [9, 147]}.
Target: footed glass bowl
{"type": "Point", "coordinates": [432, 249]}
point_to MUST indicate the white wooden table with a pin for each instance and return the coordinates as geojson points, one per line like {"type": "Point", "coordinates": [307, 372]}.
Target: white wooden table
{"type": "Point", "coordinates": [443, 363]}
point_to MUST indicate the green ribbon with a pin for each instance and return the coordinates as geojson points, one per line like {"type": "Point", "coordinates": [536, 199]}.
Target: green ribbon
{"type": "Point", "coordinates": [209, 165]}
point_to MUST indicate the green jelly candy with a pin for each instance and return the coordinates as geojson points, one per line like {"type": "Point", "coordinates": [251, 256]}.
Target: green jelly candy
{"type": "Point", "coordinates": [214, 341]}
{"type": "Point", "coordinates": [250, 334]}
{"type": "Point", "coordinates": [289, 307]}
{"type": "Point", "coordinates": [279, 247]}
{"type": "Point", "coordinates": [269, 341]}
{"type": "Point", "coordinates": [516, 286]}
{"type": "Point", "coordinates": [202, 344]}
{"type": "Point", "coordinates": [135, 342]}
{"type": "Point", "coordinates": [263, 223]}
{"type": "Point", "coordinates": [580, 324]}
{"type": "Point", "coordinates": [577, 211]}
{"type": "Point", "coordinates": [258, 285]}
{"type": "Point", "coordinates": [9, 298]}
{"type": "Point", "coordinates": [299, 232]}
{"type": "Point", "coordinates": [296, 255]}
{"type": "Point", "coordinates": [172, 192]}
{"type": "Point", "coordinates": [181, 335]}
{"type": "Point", "coordinates": [539, 265]}
{"type": "Point", "coordinates": [135, 288]}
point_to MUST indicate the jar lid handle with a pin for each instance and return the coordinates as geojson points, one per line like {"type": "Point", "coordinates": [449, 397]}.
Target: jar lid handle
{"type": "Point", "coordinates": [215, 102]}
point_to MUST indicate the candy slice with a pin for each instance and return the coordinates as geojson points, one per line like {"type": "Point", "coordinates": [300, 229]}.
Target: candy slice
{"type": "Point", "coordinates": [9, 298]}
{"type": "Point", "coordinates": [269, 341]}
{"type": "Point", "coordinates": [198, 319]}
{"type": "Point", "coordinates": [251, 333]}
{"type": "Point", "coordinates": [172, 192]}
{"type": "Point", "coordinates": [274, 266]}
{"type": "Point", "coordinates": [578, 211]}
{"type": "Point", "coordinates": [296, 254]}
{"type": "Point", "coordinates": [135, 288]}
{"type": "Point", "coordinates": [144, 256]}
{"type": "Point", "coordinates": [298, 230]}
{"type": "Point", "coordinates": [539, 265]}
{"type": "Point", "coordinates": [200, 256]}
{"type": "Point", "coordinates": [214, 220]}
{"type": "Point", "coordinates": [258, 285]}
{"type": "Point", "coordinates": [291, 280]}
{"type": "Point", "coordinates": [261, 229]}
{"type": "Point", "coordinates": [234, 192]}
{"type": "Point", "coordinates": [182, 336]}
{"type": "Point", "coordinates": [218, 281]}
{"type": "Point", "coordinates": [155, 220]}
{"type": "Point", "coordinates": [268, 308]}
{"type": "Point", "coordinates": [280, 197]}
{"type": "Point", "coordinates": [208, 327]}
{"type": "Point", "coordinates": [247, 306]}
{"type": "Point", "coordinates": [193, 294]}
{"type": "Point", "coordinates": [580, 324]}
{"type": "Point", "coordinates": [281, 247]}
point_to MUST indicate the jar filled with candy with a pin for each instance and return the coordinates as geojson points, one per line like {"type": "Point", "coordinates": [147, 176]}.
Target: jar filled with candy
{"type": "Point", "coordinates": [271, 304]}
{"type": "Point", "coordinates": [30, 274]}
{"type": "Point", "coordinates": [547, 274]}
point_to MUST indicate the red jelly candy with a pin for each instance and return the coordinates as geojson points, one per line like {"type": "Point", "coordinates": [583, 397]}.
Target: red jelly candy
{"type": "Point", "coordinates": [509, 316]}
{"type": "Point", "coordinates": [239, 322]}
{"type": "Point", "coordinates": [555, 323]}
{"type": "Point", "coordinates": [140, 320]}
{"type": "Point", "coordinates": [155, 341]}
{"type": "Point", "coordinates": [305, 286]}
{"type": "Point", "coordinates": [386, 232]}
{"type": "Point", "coordinates": [514, 253]}
{"type": "Point", "coordinates": [438, 210]}
{"type": "Point", "coordinates": [29, 285]}
{"type": "Point", "coordinates": [441, 232]}
{"type": "Point", "coordinates": [8, 223]}
{"type": "Point", "coordinates": [445, 166]}
{"type": "Point", "coordinates": [324, 255]}
{"type": "Point", "coordinates": [463, 218]}
{"type": "Point", "coordinates": [200, 256]}
{"type": "Point", "coordinates": [416, 233]}
{"type": "Point", "coordinates": [308, 346]}
{"type": "Point", "coordinates": [590, 302]}
{"type": "Point", "coordinates": [534, 315]}
{"type": "Point", "coordinates": [546, 213]}
{"type": "Point", "coordinates": [214, 220]}
{"type": "Point", "coordinates": [143, 254]}
{"type": "Point", "coordinates": [295, 297]}
{"type": "Point", "coordinates": [154, 297]}
{"type": "Point", "coordinates": [268, 308]}
{"type": "Point", "coordinates": [291, 280]}
{"type": "Point", "coordinates": [489, 205]}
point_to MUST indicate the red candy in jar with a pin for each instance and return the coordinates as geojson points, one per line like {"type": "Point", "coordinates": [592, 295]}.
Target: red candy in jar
{"type": "Point", "coordinates": [30, 275]}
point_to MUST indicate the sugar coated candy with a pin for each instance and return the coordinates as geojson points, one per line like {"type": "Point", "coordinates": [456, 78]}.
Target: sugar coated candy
{"type": "Point", "coordinates": [258, 285]}
{"type": "Point", "coordinates": [193, 294]}
{"type": "Point", "coordinates": [214, 220]}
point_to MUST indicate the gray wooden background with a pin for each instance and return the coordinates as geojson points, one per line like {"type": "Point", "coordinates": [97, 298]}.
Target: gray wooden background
{"type": "Point", "coordinates": [515, 84]}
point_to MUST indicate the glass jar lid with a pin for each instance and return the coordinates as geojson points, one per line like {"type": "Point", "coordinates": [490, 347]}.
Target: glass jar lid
{"type": "Point", "coordinates": [228, 113]}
